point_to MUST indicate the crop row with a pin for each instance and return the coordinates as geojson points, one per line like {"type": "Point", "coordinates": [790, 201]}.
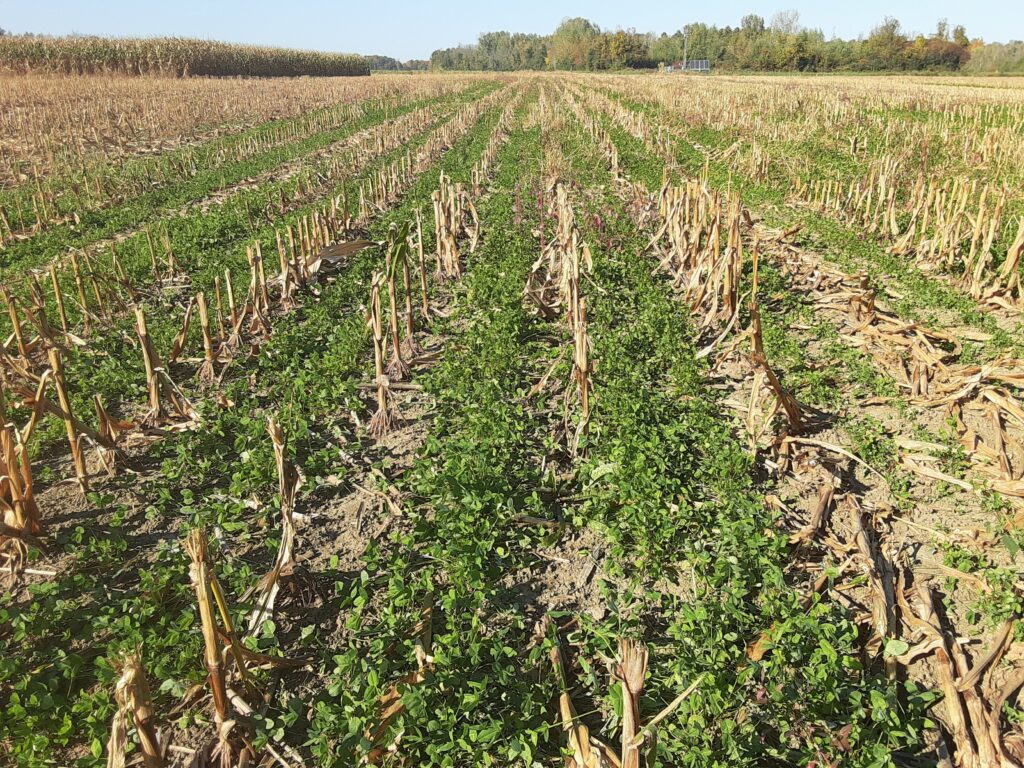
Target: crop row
{"type": "Point", "coordinates": [307, 371]}
{"type": "Point", "coordinates": [786, 338]}
{"type": "Point", "coordinates": [42, 202]}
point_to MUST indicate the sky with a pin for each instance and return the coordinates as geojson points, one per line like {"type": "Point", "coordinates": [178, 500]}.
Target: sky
{"type": "Point", "coordinates": [408, 30]}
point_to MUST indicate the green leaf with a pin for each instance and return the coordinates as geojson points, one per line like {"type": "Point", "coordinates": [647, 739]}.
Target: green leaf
{"type": "Point", "coordinates": [603, 469]}
{"type": "Point", "coordinates": [894, 647]}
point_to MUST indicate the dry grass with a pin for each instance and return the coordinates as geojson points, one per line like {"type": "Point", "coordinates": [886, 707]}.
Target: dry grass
{"type": "Point", "coordinates": [52, 123]}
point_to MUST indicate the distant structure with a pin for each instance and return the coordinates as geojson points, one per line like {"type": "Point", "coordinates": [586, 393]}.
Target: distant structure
{"type": "Point", "coordinates": [688, 64]}
{"type": "Point", "coordinates": [693, 65]}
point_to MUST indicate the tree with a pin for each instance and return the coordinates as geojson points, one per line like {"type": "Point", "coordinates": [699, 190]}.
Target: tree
{"type": "Point", "coordinates": [667, 50]}
{"type": "Point", "coordinates": [707, 42]}
{"type": "Point", "coordinates": [574, 45]}
{"type": "Point", "coordinates": [885, 45]}
{"type": "Point", "coordinates": [786, 22]}
{"type": "Point", "coordinates": [495, 49]}
{"type": "Point", "coordinates": [784, 45]}
{"type": "Point", "coordinates": [997, 57]}
{"type": "Point", "coordinates": [627, 49]}
{"type": "Point", "coordinates": [752, 24]}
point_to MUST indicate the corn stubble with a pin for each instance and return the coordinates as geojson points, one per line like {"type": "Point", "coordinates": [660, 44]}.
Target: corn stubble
{"type": "Point", "coordinates": [135, 706]}
{"type": "Point", "coordinates": [385, 417]}
{"type": "Point", "coordinates": [21, 522]}
{"type": "Point", "coordinates": [554, 288]}
{"type": "Point", "coordinates": [705, 243]}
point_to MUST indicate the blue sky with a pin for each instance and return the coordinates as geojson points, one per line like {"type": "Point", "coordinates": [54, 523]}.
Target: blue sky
{"type": "Point", "coordinates": [413, 29]}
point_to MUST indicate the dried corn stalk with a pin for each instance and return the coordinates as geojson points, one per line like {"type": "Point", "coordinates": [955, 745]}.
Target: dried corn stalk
{"type": "Point", "coordinates": [581, 356]}
{"type": "Point", "coordinates": [257, 300]}
{"type": "Point", "coordinates": [952, 223]}
{"type": "Point", "coordinates": [562, 259]}
{"type": "Point", "coordinates": [162, 390]}
{"type": "Point", "coordinates": [554, 284]}
{"type": "Point", "coordinates": [784, 400]}
{"type": "Point", "coordinates": [630, 672]}
{"type": "Point", "coordinates": [83, 303]}
{"type": "Point", "coordinates": [425, 304]}
{"type": "Point", "coordinates": [384, 419]}
{"type": "Point", "coordinates": [37, 313]}
{"type": "Point", "coordinates": [235, 318]}
{"type": "Point", "coordinates": [972, 724]}
{"type": "Point", "coordinates": [20, 515]}
{"type": "Point", "coordinates": [18, 335]}
{"type": "Point", "coordinates": [411, 347]}
{"type": "Point", "coordinates": [395, 253]}
{"type": "Point", "coordinates": [288, 481]}
{"type": "Point", "coordinates": [110, 429]}
{"type": "Point", "coordinates": [134, 701]}
{"type": "Point", "coordinates": [690, 244]}
{"type": "Point", "coordinates": [58, 298]}
{"type": "Point", "coordinates": [587, 751]}
{"type": "Point", "coordinates": [181, 339]}
{"type": "Point", "coordinates": [74, 438]}
{"type": "Point", "coordinates": [881, 580]}
{"type": "Point", "coordinates": [207, 371]}
{"type": "Point", "coordinates": [290, 276]}
{"type": "Point", "coordinates": [454, 217]}
{"type": "Point", "coordinates": [224, 747]}
{"type": "Point", "coordinates": [331, 256]}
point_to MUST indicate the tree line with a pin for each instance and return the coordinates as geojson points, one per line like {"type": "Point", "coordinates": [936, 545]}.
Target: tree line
{"type": "Point", "coordinates": [782, 44]}
{"type": "Point", "coordinates": [388, 64]}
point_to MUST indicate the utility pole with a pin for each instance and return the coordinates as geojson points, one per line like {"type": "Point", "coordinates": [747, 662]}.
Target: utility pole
{"type": "Point", "coordinates": [686, 44]}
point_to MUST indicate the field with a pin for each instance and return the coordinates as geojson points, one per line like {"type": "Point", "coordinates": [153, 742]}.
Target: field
{"type": "Point", "coordinates": [547, 420]}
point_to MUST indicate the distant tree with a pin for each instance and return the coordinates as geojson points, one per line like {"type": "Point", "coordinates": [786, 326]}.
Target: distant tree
{"type": "Point", "coordinates": [783, 45]}
{"type": "Point", "coordinates": [627, 49]}
{"type": "Point", "coordinates": [997, 57]}
{"type": "Point", "coordinates": [752, 24]}
{"type": "Point", "coordinates": [385, 63]}
{"type": "Point", "coordinates": [585, 39]}
{"type": "Point", "coordinates": [495, 49]}
{"type": "Point", "coordinates": [885, 46]}
{"type": "Point", "coordinates": [575, 45]}
{"type": "Point", "coordinates": [786, 22]}
{"type": "Point", "coordinates": [706, 42]}
{"type": "Point", "coordinates": [667, 49]}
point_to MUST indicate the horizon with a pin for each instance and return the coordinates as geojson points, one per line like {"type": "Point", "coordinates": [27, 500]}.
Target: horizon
{"type": "Point", "coordinates": [374, 32]}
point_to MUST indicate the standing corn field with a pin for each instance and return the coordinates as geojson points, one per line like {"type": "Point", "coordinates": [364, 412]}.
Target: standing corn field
{"type": "Point", "coordinates": [169, 56]}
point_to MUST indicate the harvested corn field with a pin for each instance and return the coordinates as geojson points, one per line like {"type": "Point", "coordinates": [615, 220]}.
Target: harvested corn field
{"type": "Point", "coordinates": [513, 420]}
